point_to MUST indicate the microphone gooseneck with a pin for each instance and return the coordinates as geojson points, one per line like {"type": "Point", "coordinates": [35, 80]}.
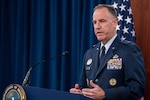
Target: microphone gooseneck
{"type": "Point", "coordinates": [26, 79]}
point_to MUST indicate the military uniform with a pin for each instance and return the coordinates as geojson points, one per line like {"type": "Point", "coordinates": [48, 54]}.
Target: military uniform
{"type": "Point", "coordinates": [121, 74]}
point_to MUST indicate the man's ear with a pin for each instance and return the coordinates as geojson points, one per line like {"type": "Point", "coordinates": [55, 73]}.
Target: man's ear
{"type": "Point", "coordinates": [115, 22]}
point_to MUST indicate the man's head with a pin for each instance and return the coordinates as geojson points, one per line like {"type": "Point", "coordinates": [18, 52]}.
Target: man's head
{"type": "Point", "coordinates": [104, 22]}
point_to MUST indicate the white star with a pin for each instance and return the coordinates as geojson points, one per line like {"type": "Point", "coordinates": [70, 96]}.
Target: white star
{"type": "Point", "coordinates": [122, 7]}
{"type": "Point", "coordinates": [128, 20]}
{"type": "Point", "coordinates": [118, 27]}
{"type": "Point", "coordinates": [125, 0]}
{"type": "Point", "coordinates": [123, 38]}
{"type": "Point", "coordinates": [130, 11]}
{"type": "Point", "coordinates": [125, 30]}
{"type": "Point", "coordinates": [120, 17]}
{"type": "Point", "coordinates": [133, 33]}
{"type": "Point", "coordinates": [115, 5]}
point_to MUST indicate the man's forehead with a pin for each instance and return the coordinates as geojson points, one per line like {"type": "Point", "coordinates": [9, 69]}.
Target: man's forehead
{"type": "Point", "coordinates": [103, 9]}
{"type": "Point", "coordinates": [101, 12]}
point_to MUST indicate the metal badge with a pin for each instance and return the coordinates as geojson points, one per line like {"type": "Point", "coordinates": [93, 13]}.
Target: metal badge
{"type": "Point", "coordinates": [112, 81]}
{"type": "Point", "coordinates": [89, 62]}
{"type": "Point", "coordinates": [115, 56]}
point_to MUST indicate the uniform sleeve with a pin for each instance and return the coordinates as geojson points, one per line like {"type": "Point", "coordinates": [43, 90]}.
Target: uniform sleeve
{"type": "Point", "coordinates": [82, 81]}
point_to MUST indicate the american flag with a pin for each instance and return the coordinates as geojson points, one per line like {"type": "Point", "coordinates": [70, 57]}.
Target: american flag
{"type": "Point", "coordinates": [125, 28]}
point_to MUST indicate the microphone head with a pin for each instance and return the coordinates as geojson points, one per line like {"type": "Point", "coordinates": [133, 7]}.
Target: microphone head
{"type": "Point", "coordinates": [65, 53]}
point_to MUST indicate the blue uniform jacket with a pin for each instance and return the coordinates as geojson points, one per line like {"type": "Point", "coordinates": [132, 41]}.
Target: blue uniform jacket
{"type": "Point", "coordinates": [121, 74]}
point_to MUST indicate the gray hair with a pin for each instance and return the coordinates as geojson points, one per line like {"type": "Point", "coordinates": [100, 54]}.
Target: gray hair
{"type": "Point", "coordinates": [110, 8]}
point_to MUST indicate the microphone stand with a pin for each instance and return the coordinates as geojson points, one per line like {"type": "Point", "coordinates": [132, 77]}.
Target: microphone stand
{"type": "Point", "coordinates": [26, 79]}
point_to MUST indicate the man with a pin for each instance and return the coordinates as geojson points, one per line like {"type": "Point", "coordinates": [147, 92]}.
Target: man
{"type": "Point", "coordinates": [120, 74]}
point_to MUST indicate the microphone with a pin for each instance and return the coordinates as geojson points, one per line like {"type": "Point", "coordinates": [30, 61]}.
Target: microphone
{"type": "Point", "coordinates": [26, 79]}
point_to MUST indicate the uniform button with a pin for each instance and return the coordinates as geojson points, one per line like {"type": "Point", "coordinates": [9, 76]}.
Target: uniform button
{"type": "Point", "coordinates": [96, 80]}
{"type": "Point", "coordinates": [97, 48]}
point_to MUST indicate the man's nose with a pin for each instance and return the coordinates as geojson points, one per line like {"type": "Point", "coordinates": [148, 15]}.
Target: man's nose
{"type": "Point", "coordinates": [98, 26]}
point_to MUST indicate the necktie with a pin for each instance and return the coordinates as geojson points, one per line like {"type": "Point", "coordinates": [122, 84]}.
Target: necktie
{"type": "Point", "coordinates": [102, 53]}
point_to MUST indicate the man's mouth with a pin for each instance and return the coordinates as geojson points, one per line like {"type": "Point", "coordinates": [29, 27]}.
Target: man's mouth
{"type": "Point", "coordinates": [99, 32]}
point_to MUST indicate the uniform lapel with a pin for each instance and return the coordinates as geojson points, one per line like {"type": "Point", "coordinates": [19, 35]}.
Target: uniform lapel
{"type": "Point", "coordinates": [95, 55]}
{"type": "Point", "coordinates": [108, 56]}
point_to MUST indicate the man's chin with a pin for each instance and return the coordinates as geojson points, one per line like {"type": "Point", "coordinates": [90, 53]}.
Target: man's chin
{"type": "Point", "coordinates": [100, 39]}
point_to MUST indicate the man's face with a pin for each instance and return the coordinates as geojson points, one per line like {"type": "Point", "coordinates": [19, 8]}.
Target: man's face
{"type": "Point", "coordinates": [104, 24]}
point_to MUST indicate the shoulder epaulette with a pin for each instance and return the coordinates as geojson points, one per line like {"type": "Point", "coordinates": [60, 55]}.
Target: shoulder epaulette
{"type": "Point", "coordinates": [127, 42]}
{"type": "Point", "coordinates": [96, 45]}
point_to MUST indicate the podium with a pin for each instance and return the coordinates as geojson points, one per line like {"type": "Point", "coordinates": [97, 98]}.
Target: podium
{"type": "Point", "coordinates": [18, 92]}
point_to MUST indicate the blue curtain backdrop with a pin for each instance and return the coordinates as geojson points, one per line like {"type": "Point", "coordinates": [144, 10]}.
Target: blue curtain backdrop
{"type": "Point", "coordinates": [34, 30]}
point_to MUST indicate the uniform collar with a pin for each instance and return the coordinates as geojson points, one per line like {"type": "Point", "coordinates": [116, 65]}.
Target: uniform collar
{"type": "Point", "coordinates": [108, 44]}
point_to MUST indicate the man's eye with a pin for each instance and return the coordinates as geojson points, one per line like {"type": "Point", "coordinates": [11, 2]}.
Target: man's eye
{"type": "Point", "coordinates": [102, 20]}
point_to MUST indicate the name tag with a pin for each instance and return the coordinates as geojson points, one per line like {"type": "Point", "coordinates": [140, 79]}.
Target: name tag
{"type": "Point", "coordinates": [87, 68]}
